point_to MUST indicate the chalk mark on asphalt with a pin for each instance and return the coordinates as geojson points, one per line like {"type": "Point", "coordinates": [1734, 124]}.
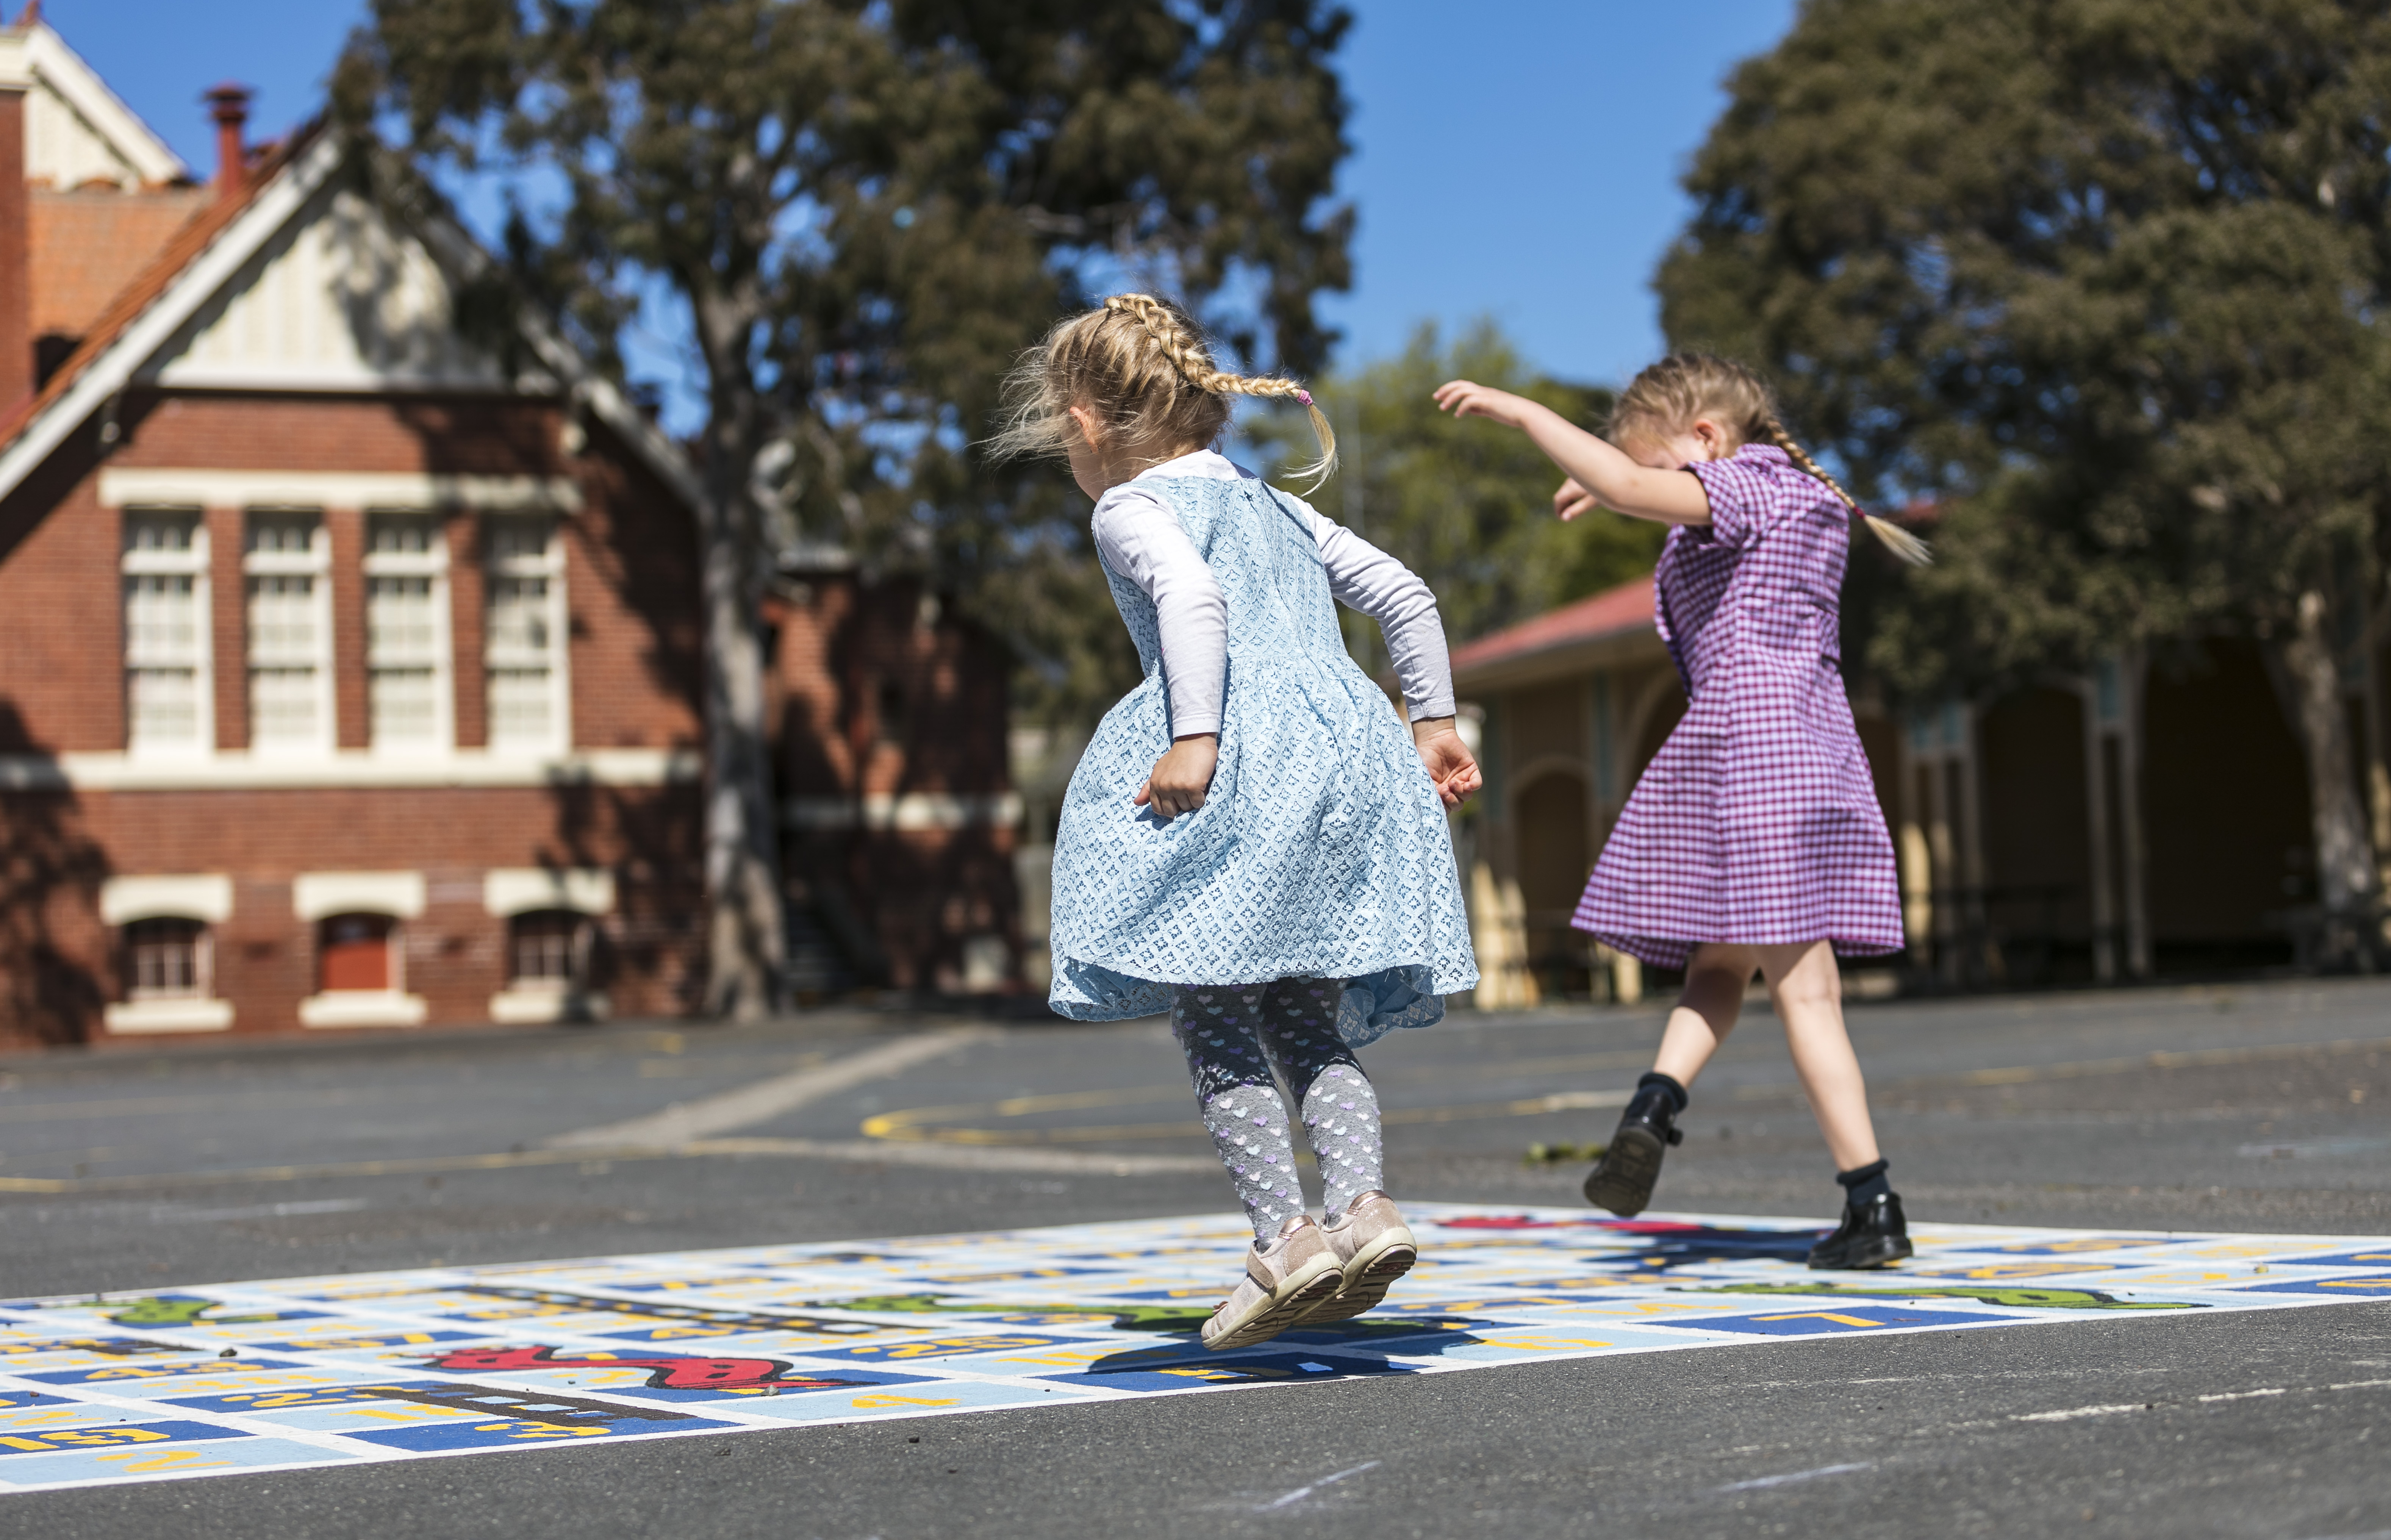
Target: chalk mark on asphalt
{"type": "Point", "coordinates": [1300, 1492]}
{"type": "Point", "coordinates": [1790, 1476]}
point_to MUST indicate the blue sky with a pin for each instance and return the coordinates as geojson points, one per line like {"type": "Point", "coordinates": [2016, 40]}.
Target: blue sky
{"type": "Point", "coordinates": [1520, 163]}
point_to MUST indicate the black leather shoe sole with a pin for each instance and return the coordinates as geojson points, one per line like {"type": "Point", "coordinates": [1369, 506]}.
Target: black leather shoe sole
{"type": "Point", "coordinates": [1622, 1182]}
{"type": "Point", "coordinates": [1875, 1252]}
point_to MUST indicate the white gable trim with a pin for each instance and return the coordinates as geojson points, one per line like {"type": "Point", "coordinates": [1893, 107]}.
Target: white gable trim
{"type": "Point", "coordinates": [63, 70]}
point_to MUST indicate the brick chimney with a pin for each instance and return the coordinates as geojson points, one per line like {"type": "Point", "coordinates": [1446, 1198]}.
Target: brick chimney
{"type": "Point", "coordinates": [16, 227]}
{"type": "Point", "coordinates": [229, 104]}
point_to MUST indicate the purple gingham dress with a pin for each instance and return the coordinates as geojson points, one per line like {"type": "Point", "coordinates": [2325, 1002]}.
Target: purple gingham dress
{"type": "Point", "coordinates": [1757, 823]}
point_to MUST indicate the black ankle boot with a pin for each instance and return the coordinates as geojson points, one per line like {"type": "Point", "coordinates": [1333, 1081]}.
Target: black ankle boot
{"type": "Point", "coordinates": [1872, 1235]}
{"type": "Point", "coordinates": [1622, 1180]}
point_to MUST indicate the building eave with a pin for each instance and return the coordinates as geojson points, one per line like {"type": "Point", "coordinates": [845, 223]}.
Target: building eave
{"type": "Point", "coordinates": [1627, 645]}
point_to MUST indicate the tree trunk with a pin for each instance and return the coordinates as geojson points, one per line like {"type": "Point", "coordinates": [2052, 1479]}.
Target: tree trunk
{"type": "Point", "coordinates": [746, 936]}
{"type": "Point", "coordinates": [2344, 863]}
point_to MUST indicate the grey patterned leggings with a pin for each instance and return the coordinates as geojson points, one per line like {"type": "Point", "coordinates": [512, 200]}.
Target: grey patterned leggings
{"type": "Point", "coordinates": [1233, 1035]}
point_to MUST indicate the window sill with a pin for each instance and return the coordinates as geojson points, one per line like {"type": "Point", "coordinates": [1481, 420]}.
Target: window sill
{"type": "Point", "coordinates": [170, 1016]}
{"type": "Point", "coordinates": [529, 1004]}
{"type": "Point", "coordinates": [362, 1008]}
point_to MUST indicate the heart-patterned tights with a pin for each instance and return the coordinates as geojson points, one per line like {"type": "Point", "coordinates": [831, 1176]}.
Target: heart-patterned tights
{"type": "Point", "coordinates": [1234, 1036]}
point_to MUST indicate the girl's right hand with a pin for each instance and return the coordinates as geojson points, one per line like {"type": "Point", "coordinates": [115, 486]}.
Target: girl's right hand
{"type": "Point", "coordinates": [1574, 502]}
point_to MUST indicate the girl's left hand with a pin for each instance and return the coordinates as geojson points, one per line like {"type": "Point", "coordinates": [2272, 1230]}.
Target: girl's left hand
{"type": "Point", "coordinates": [1464, 398]}
{"type": "Point", "coordinates": [1450, 763]}
{"type": "Point", "coordinates": [1181, 778]}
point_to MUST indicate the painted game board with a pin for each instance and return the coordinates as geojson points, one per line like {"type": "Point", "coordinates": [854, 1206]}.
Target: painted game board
{"type": "Point", "coordinates": [327, 1371]}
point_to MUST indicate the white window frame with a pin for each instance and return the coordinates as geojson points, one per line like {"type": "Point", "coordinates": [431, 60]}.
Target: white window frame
{"type": "Point", "coordinates": [548, 564]}
{"type": "Point", "coordinates": [205, 898]}
{"type": "Point", "coordinates": [191, 564]}
{"type": "Point", "coordinates": [400, 896]}
{"type": "Point", "coordinates": [432, 564]}
{"type": "Point", "coordinates": [316, 564]}
{"type": "Point", "coordinates": [507, 892]}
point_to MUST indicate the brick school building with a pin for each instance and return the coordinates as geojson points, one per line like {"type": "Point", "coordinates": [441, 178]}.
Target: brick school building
{"type": "Point", "coordinates": [348, 662]}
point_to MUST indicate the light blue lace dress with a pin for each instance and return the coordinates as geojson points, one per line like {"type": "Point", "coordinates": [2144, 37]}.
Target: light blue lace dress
{"type": "Point", "coordinates": [1322, 850]}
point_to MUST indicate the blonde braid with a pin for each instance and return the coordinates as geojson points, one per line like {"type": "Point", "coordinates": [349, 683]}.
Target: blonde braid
{"type": "Point", "coordinates": [1194, 365]}
{"type": "Point", "coordinates": [1901, 542]}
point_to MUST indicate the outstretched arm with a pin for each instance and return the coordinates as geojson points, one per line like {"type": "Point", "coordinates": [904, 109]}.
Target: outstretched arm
{"type": "Point", "coordinates": [1599, 473]}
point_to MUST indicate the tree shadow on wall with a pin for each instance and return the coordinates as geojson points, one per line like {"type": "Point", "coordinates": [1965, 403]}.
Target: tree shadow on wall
{"type": "Point", "coordinates": [50, 871]}
{"type": "Point", "coordinates": [654, 941]}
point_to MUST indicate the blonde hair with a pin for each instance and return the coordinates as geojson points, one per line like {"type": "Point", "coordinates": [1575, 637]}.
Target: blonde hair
{"type": "Point", "coordinates": [1142, 367]}
{"type": "Point", "coordinates": [1667, 398]}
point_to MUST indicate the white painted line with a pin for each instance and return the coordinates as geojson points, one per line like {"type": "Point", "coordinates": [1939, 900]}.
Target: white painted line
{"type": "Point", "coordinates": [2075, 1411]}
{"type": "Point", "coordinates": [168, 1214]}
{"type": "Point", "coordinates": [1792, 1477]}
{"type": "Point", "coordinates": [685, 1122]}
{"type": "Point", "coordinates": [967, 1157]}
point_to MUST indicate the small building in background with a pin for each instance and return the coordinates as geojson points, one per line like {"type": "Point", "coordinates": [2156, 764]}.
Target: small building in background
{"type": "Point", "coordinates": [2148, 818]}
{"type": "Point", "coordinates": [349, 654]}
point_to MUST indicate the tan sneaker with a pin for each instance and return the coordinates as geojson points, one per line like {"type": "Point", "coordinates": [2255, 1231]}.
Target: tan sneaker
{"type": "Point", "coordinates": [1374, 1248]}
{"type": "Point", "coordinates": [1284, 1283]}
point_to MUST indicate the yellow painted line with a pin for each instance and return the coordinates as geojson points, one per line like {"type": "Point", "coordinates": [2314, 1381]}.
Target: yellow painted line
{"type": "Point", "coordinates": [2190, 1059]}
{"type": "Point", "coordinates": [907, 1125]}
{"type": "Point", "coordinates": [418, 1166]}
{"type": "Point", "coordinates": [134, 1107]}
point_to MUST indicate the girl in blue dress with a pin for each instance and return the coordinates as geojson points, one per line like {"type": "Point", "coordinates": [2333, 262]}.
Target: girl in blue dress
{"type": "Point", "coordinates": [1253, 841]}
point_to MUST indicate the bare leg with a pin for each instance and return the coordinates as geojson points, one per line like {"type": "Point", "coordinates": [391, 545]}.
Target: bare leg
{"type": "Point", "coordinates": [1706, 1009]}
{"type": "Point", "coordinates": [1808, 991]}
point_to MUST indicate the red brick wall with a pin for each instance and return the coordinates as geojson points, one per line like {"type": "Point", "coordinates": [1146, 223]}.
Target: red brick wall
{"type": "Point", "coordinates": [265, 955]}
{"type": "Point", "coordinates": [630, 575]}
{"type": "Point", "coordinates": [629, 567]}
{"type": "Point", "coordinates": [845, 649]}
{"type": "Point", "coordinates": [227, 625]}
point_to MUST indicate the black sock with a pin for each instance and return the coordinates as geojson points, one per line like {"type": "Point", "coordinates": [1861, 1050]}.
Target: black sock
{"type": "Point", "coordinates": [1864, 1183]}
{"type": "Point", "coordinates": [1677, 1097]}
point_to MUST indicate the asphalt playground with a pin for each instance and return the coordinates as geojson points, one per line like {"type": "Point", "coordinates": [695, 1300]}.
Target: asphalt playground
{"type": "Point", "coordinates": [2215, 1142]}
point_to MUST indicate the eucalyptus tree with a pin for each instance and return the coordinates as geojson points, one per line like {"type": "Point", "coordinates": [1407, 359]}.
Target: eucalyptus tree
{"type": "Point", "coordinates": [862, 209]}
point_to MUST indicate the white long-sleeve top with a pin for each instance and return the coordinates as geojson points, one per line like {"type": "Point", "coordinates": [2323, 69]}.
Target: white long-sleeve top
{"type": "Point", "coordinates": [1141, 538]}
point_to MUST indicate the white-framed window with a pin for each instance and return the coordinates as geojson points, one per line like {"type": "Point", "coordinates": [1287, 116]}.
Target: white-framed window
{"type": "Point", "coordinates": [168, 959]}
{"type": "Point", "coordinates": [165, 952]}
{"type": "Point", "coordinates": [525, 636]}
{"type": "Point", "coordinates": [169, 702]}
{"type": "Point", "coordinates": [408, 669]}
{"type": "Point", "coordinates": [287, 566]}
{"type": "Point", "coordinates": [549, 947]}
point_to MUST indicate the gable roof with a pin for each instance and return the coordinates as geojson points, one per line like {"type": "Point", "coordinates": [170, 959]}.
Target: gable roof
{"type": "Point", "coordinates": [208, 255]}
{"type": "Point", "coordinates": [77, 127]}
{"type": "Point", "coordinates": [1557, 641]}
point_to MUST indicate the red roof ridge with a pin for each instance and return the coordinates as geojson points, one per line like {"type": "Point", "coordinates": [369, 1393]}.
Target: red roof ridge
{"type": "Point", "coordinates": [1612, 612]}
{"type": "Point", "coordinates": [153, 282]}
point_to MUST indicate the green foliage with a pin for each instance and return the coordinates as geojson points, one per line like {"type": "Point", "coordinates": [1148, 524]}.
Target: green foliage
{"type": "Point", "coordinates": [869, 209]}
{"type": "Point", "coordinates": [1465, 504]}
{"type": "Point", "coordinates": [2103, 281]}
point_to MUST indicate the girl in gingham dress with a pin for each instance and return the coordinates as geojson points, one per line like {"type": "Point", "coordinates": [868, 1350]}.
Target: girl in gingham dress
{"type": "Point", "coordinates": [1753, 842]}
